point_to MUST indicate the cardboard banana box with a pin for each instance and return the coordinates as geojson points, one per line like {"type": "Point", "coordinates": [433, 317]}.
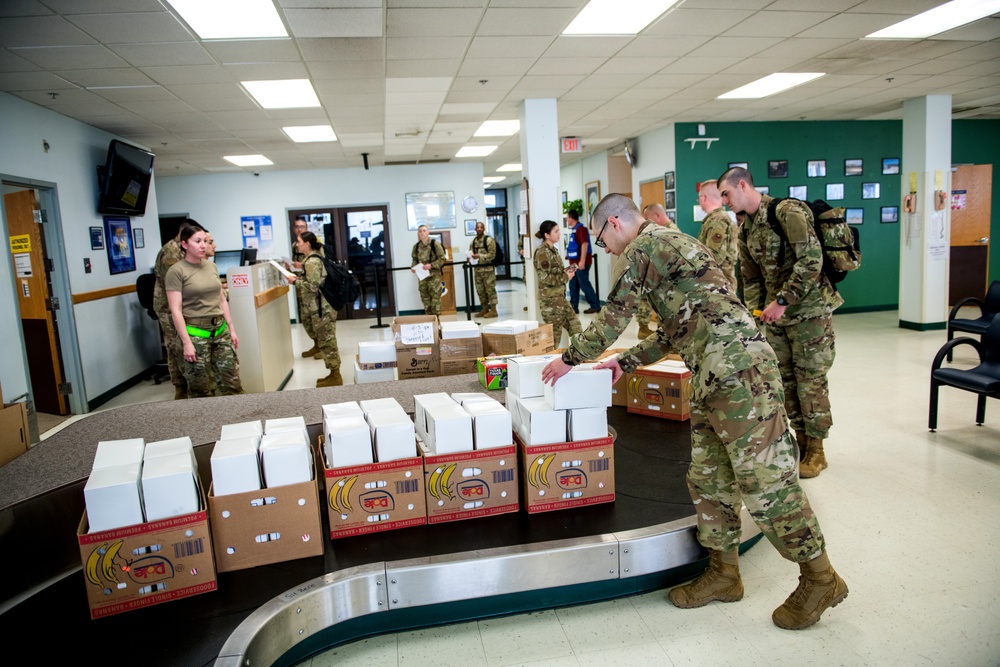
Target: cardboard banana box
{"type": "Point", "coordinates": [660, 391]}
{"type": "Point", "coordinates": [567, 474]}
{"type": "Point", "coordinates": [472, 484]}
{"type": "Point", "coordinates": [146, 564]}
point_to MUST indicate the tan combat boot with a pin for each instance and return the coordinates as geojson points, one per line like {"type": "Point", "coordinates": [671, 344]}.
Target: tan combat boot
{"type": "Point", "coordinates": [482, 312]}
{"type": "Point", "coordinates": [819, 589]}
{"type": "Point", "coordinates": [644, 332]}
{"type": "Point", "coordinates": [311, 352]}
{"type": "Point", "coordinates": [721, 581]}
{"type": "Point", "coordinates": [814, 460]}
{"type": "Point", "coordinates": [491, 313]}
{"type": "Point", "coordinates": [334, 379]}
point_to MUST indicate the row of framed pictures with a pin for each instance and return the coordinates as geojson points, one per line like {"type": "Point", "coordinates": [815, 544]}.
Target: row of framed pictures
{"type": "Point", "coordinates": [817, 168]}
{"type": "Point", "coordinates": [854, 215]}
{"type": "Point", "coordinates": [122, 242]}
{"type": "Point", "coordinates": [834, 191]}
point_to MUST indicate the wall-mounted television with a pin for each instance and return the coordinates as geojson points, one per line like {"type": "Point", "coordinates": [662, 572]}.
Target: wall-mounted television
{"type": "Point", "coordinates": [124, 180]}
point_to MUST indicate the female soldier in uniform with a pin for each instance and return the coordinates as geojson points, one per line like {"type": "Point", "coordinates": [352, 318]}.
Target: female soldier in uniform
{"type": "Point", "coordinates": [552, 277]}
{"type": "Point", "coordinates": [320, 313]}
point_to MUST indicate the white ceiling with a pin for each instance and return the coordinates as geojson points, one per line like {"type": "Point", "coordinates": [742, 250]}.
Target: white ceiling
{"type": "Point", "coordinates": [411, 80]}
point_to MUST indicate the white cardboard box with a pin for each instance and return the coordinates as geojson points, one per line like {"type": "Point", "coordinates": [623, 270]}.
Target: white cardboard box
{"type": "Point", "coordinates": [582, 387]}
{"type": "Point", "coordinates": [168, 487]}
{"type": "Point", "coordinates": [539, 423]}
{"type": "Point", "coordinates": [242, 430]}
{"type": "Point", "coordinates": [393, 435]}
{"type": "Point", "coordinates": [491, 424]}
{"type": "Point", "coordinates": [344, 409]}
{"type": "Point", "coordinates": [588, 423]}
{"type": "Point", "coordinates": [236, 466]}
{"type": "Point", "coordinates": [285, 458]}
{"type": "Point", "coordinates": [420, 404]}
{"type": "Point", "coordinates": [118, 452]}
{"type": "Point", "coordinates": [449, 429]}
{"type": "Point", "coordinates": [524, 375]}
{"type": "Point", "coordinates": [170, 447]}
{"type": "Point", "coordinates": [348, 441]}
{"type": "Point", "coordinates": [376, 404]}
{"type": "Point", "coordinates": [362, 376]}
{"type": "Point", "coordinates": [377, 352]}
{"type": "Point", "coordinates": [451, 330]}
{"type": "Point", "coordinates": [113, 497]}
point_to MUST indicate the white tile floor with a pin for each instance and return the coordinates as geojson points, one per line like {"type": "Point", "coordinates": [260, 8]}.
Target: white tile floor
{"type": "Point", "coordinates": [912, 522]}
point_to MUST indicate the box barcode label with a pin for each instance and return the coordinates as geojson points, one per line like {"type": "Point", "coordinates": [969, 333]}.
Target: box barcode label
{"type": "Point", "coordinates": [189, 548]}
{"type": "Point", "coordinates": [597, 465]}
{"type": "Point", "coordinates": [506, 475]}
{"type": "Point", "coordinates": [676, 393]}
{"type": "Point", "coordinates": [407, 486]}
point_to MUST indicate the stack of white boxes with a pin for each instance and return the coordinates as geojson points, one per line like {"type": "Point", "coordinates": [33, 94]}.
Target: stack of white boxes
{"type": "Point", "coordinates": [169, 479]}
{"type": "Point", "coordinates": [347, 439]}
{"type": "Point", "coordinates": [236, 459]}
{"type": "Point", "coordinates": [376, 362]}
{"type": "Point", "coordinates": [113, 495]}
{"type": "Point", "coordinates": [444, 427]}
{"type": "Point", "coordinates": [285, 456]}
{"type": "Point", "coordinates": [392, 430]}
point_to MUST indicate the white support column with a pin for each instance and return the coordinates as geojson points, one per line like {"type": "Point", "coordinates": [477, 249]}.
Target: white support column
{"type": "Point", "coordinates": [925, 236]}
{"type": "Point", "coordinates": [540, 165]}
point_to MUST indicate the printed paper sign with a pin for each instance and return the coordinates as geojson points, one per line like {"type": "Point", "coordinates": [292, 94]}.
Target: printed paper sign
{"type": "Point", "coordinates": [421, 333]}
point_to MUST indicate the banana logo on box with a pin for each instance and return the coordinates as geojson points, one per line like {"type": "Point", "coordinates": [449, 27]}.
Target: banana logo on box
{"type": "Point", "coordinates": [538, 471]}
{"type": "Point", "coordinates": [571, 479]}
{"type": "Point", "coordinates": [106, 562]}
{"type": "Point", "coordinates": [340, 494]}
{"type": "Point", "coordinates": [439, 482]}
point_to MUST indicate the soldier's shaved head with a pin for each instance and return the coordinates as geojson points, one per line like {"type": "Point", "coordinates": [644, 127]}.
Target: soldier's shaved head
{"type": "Point", "coordinates": [617, 205]}
{"type": "Point", "coordinates": [733, 175]}
{"type": "Point", "coordinates": [653, 211]}
{"type": "Point", "coordinates": [708, 196]}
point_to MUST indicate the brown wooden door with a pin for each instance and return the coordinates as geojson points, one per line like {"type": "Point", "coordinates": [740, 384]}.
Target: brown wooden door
{"type": "Point", "coordinates": [31, 275]}
{"type": "Point", "coordinates": [651, 192]}
{"type": "Point", "coordinates": [971, 194]}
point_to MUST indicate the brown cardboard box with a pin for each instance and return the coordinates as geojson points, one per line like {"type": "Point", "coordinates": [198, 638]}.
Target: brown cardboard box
{"type": "Point", "coordinates": [14, 435]}
{"type": "Point", "coordinates": [421, 359]}
{"type": "Point", "coordinates": [149, 563]}
{"type": "Point", "coordinates": [266, 526]}
{"type": "Point", "coordinates": [472, 484]}
{"type": "Point", "coordinates": [461, 348]}
{"type": "Point", "coordinates": [536, 341]}
{"type": "Point", "coordinates": [660, 393]}
{"type": "Point", "coordinates": [375, 497]}
{"type": "Point", "coordinates": [567, 474]}
{"type": "Point", "coordinates": [458, 366]}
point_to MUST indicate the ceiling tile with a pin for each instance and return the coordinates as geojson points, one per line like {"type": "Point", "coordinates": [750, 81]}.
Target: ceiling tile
{"type": "Point", "coordinates": [634, 65]}
{"type": "Point", "coordinates": [335, 22]}
{"type": "Point", "coordinates": [19, 81]}
{"type": "Point", "coordinates": [525, 21]}
{"type": "Point", "coordinates": [426, 48]}
{"type": "Point", "coordinates": [421, 68]}
{"type": "Point", "coordinates": [359, 48]}
{"type": "Point", "coordinates": [431, 22]}
{"type": "Point", "coordinates": [778, 23]}
{"type": "Point", "coordinates": [485, 67]}
{"type": "Point", "coordinates": [119, 76]}
{"type": "Point", "coordinates": [742, 47]}
{"type": "Point", "coordinates": [357, 69]}
{"type": "Point", "coordinates": [508, 46]}
{"type": "Point", "coordinates": [90, 56]}
{"type": "Point", "coordinates": [683, 21]}
{"type": "Point", "coordinates": [565, 66]}
{"type": "Point", "coordinates": [850, 25]}
{"type": "Point", "coordinates": [252, 50]}
{"type": "Point", "coordinates": [132, 27]}
{"type": "Point", "coordinates": [174, 53]}
{"type": "Point", "coordinates": [189, 74]}
{"type": "Point", "coordinates": [41, 31]}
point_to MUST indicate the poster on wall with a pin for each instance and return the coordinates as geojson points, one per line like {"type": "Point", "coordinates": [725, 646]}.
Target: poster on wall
{"type": "Point", "coordinates": [258, 233]}
{"type": "Point", "coordinates": [121, 256]}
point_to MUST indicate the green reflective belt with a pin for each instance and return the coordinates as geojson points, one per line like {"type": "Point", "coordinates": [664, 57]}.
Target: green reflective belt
{"type": "Point", "coordinates": [205, 333]}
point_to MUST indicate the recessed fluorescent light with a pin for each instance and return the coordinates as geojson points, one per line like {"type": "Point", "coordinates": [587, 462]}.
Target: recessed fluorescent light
{"type": "Point", "coordinates": [231, 19]}
{"type": "Point", "coordinates": [493, 179]}
{"type": "Point", "coordinates": [307, 133]}
{"type": "Point", "coordinates": [475, 151]}
{"type": "Point", "coordinates": [617, 17]}
{"type": "Point", "coordinates": [513, 166]}
{"type": "Point", "coordinates": [940, 19]}
{"type": "Point", "coordinates": [770, 84]}
{"type": "Point", "coordinates": [283, 94]}
{"type": "Point", "coordinates": [247, 160]}
{"type": "Point", "coordinates": [498, 128]}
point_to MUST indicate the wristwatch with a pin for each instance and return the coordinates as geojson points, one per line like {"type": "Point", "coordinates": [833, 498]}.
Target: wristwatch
{"type": "Point", "coordinates": [781, 301]}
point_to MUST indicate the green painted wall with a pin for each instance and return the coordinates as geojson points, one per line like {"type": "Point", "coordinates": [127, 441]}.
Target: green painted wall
{"type": "Point", "coordinates": [978, 142]}
{"type": "Point", "coordinates": [876, 284]}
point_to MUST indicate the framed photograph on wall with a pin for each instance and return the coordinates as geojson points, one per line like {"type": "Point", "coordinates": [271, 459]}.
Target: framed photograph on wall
{"type": "Point", "coordinates": [669, 182]}
{"type": "Point", "coordinates": [593, 190]}
{"type": "Point", "coordinates": [140, 238]}
{"type": "Point", "coordinates": [870, 190]}
{"type": "Point", "coordinates": [853, 167]}
{"type": "Point", "coordinates": [742, 165]}
{"type": "Point", "coordinates": [121, 256]}
{"type": "Point", "coordinates": [834, 191]}
{"type": "Point", "coordinates": [798, 192]}
{"type": "Point", "coordinates": [855, 216]}
{"type": "Point", "coordinates": [816, 168]}
{"type": "Point", "coordinates": [763, 189]}
{"type": "Point", "coordinates": [434, 209]}
{"type": "Point", "coordinates": [672, 215]}
{"type": "Point", "coordinates": [890, 165]}
{"type": "Point", "coordinates": [777, 168]}
{"type": "Point", "coordinates": [669, 199]}
{"type": "Point", "coordinates": [565, 197]}
{"type": "Point", "coordinates": [890, 214]}
{"type": "Point", "coordinates": [470, 227]}
{"type": "Point", "coordinates": [96, 238]}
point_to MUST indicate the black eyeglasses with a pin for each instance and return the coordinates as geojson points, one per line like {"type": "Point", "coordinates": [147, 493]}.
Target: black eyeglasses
{"type": "Point", "coordinates": [598, 242]}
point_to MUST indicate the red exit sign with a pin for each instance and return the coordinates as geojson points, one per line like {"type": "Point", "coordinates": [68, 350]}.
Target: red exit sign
{"type": "Point", "coordinates": [570, 145]}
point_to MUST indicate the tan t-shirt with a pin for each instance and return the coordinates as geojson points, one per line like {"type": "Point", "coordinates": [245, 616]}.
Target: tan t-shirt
{"type": "Point", "coordinates": [199, 286]}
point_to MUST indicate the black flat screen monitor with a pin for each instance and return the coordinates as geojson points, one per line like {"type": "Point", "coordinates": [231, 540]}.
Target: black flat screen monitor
{"type": "Point", "coordinates": [124, 180]}
{"type": "Point", "coordinates": [227, 259]}
{"type": "Point", "coordinates": [248, 257]}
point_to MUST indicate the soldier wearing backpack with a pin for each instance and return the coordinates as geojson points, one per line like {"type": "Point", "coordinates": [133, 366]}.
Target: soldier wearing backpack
{"type": "Point", "coordinates": [431, 255]}
{"type": "Point", "coordinates": [322, 316]}
{"type": "Point", "coordinates": [484, 250]}
{"type": "Point", "coordinates": [784, 278]}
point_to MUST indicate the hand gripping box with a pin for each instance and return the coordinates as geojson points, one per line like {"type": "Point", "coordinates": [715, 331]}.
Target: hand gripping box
{"type": "Point", "coordinates": [375, 497]}
{"type": "Point", "coordinates": [418, 353]}
{"type": "Point", "coordinates": [145, 564]}
{"type": "Point", "coordinates": [567, 474]}
{"type": "Point", "coordinates": [661, 390]}
{"type": "Point", "coordinates": [467, 485]}
{"type": "Point", "coordinates": [266, 526]}
{"type": "Point", "coordinates": [531, 342]}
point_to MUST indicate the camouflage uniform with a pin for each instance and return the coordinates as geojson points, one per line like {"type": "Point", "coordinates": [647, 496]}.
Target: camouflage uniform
{"type": "Point", "coordinates": [741, 448]}
{"type": "Point", "coordinates": [552, 278]}
{"type": "Point", "coordinates": [719, 234]}
{"type": "Point", "coordinates": [215, 361]}
{"type": "Point", "coordinates": [320, 314]}
{"type": "Point", "coordinates": [169, 254]}
{"type": "Point", "coordinates": [803, 338]}
{"type": "Point", "coordinates": [431, 253]}
{"type": "Point", "coordinates": [483, 272]}
{"type": "Point", "coordinates": [300, 296]}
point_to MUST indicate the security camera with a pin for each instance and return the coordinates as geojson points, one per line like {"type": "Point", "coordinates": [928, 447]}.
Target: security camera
{"type": "Point", "coordinates": [256, 173]}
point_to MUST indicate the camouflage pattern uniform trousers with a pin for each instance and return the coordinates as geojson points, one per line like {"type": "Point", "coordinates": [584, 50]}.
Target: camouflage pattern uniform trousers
{"type": "Point", "coordinates": [300, 297]}
{"type": "Point", "coordinates": [320, 314]}
{"type": "Point", "coordinates": [552, 278]}
{"type": "Point", "coordinates": [431, 253]}
{"type": "Point", "coordinates": [803, 338]}
{"type": "Point", "coordinates": [741, 448]}
{"type": "Point", "coordinates": [215, 360]}
{"type": "Point", "coordinates": [483, 272]}
{"type": "Point", "coordinates": [169, 254]}
{"type": "Point", "coordinates": [719, 234]}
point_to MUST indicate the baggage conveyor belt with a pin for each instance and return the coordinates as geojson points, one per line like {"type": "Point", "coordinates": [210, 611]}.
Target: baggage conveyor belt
{"type": "Point", "coordinates": [425, 575]}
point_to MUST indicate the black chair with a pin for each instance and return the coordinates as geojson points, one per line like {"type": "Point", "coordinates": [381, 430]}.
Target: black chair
{"type": "Point", "coordinates": [984, 379]}
{"type": "Point", "coordinates": [144, 285]}
{"type": "Point", "coordinates": [988, 309]}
